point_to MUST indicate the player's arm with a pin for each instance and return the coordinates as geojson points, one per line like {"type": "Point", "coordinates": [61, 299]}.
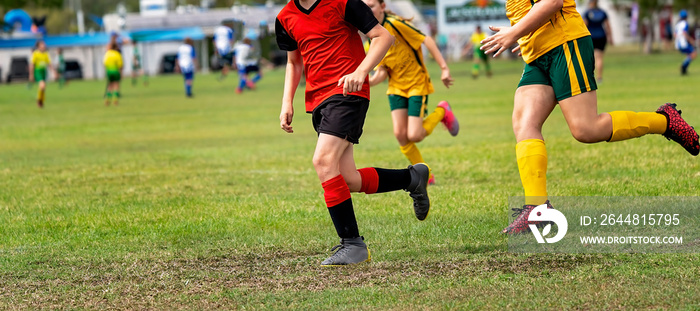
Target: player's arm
{"type": "Point", "coordinates": [292, 75]}
{"type": "Point", "coordinates": [435, 52]}
{"type": "Point", "coordinates": [689, 38]}
{"type": "Point", "coordinates": [31, 68]}
{"type": "Point", "coordinates": [378, 76]}
{"type": "Point", "coordinates": [505, 37]}
{"type": "Point", "coordinates": [608, 31]}
{"type": "Point", "coordinates": [295, 68]}
{"type": "Point", "coordinates": [359, 15]}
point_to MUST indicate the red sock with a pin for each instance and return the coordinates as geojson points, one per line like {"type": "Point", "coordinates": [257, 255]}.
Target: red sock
{"type": "Point", "coordinates": [335, 191]}
{"type": "Point", "coordinates": [370, 180]}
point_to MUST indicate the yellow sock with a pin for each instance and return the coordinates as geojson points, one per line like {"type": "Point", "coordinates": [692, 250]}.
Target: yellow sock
{"type": "Point", "coordinates": [412, 153]}
{"type": "Point", "coordinates": [532, 164]}
{"type": "Point", "coordinates": [432, 120]}
{"type": "Point", "coordinates": [628, 124]}
{"type": "Point", "coordinates": [40, 95]}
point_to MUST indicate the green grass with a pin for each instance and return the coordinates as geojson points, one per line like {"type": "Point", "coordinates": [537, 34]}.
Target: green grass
{"type": "Point", "coordinates": [166, 202]}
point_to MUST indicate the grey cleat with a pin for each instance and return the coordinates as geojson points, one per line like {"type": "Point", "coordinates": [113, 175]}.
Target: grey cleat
{"type": "Point", "coordinates": [350, 251]}
{"type": "Point", "coordinates": [418, 189]}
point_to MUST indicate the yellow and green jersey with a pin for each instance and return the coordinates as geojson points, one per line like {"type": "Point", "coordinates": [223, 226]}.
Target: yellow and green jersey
{"type": "Point", "coordinates": [563, 26]}
{"type": "Point", "coordinates": [40, 60]}
{"type": "Point", "coordinates": [404, 60]}
{"type": "Point", "coordinates": [113, 61]}
{"type": "Point", "coordinates": [476, 39]}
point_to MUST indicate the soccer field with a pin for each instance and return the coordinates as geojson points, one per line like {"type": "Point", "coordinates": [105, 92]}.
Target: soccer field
{"type": "Point", "coordinates": [167, 202]}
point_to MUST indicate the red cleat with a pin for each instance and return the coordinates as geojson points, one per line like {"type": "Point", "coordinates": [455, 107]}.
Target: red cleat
{"type": "Point", "coordinates": [520, 224]}
{"type": "Point", "coordinates": [449, 120]}
{"type": "Point", "coordinates": [431, 181]}
{"type": "Point", "coordinates": [678, 130]}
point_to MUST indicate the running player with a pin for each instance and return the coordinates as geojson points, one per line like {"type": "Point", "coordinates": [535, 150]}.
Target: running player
{"type": "Point", "coordinates": [322, 41]}
{"type": "Point", "coordinates": [246, 63]}
{"type": "Point", "coordinates": [186, 63]}
{"type": "Point", "coordinates": [478, 55]}
{"type": "Point", "coordinates": [684, 41]}
{"type": "Point", "coordinates": [409, 83]}
{"type": "Point", "coordinates": [223, 38]}
{"type": "Point", "coordinates": [113, 67]}
{"type": "Point", "coordinates": [558, 52]}
{"type": "Point", "coordinates": [38, 70]}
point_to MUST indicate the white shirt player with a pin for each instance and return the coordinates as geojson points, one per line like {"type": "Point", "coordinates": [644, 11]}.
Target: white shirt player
{"type": "Point", "coordinates": [244, 55]}
{"type": "Point", "coordinates": [185, 58]}
{"type": "Point", "coordinates": [681, 40]}
{"type": "Point", "coordinates": [222, 39]}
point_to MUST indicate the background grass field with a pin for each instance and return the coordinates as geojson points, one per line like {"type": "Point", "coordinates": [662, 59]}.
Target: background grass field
{"type": "Point", "coordinates": [166, 202]}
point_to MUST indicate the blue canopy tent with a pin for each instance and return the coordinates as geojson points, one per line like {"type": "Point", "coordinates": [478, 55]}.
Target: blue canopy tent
{"type": "Point", "coordinates": [20, 17]}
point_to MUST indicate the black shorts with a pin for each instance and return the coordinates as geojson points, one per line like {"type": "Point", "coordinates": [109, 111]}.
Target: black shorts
{"type": "Point", "coordinates": [341, 116]}
{"type": "Point", "coordinates": [600, 43]}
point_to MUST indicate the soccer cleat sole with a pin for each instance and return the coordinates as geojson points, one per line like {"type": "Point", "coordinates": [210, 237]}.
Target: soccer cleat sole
{"type": "Point", "coordinates": [369, 258]}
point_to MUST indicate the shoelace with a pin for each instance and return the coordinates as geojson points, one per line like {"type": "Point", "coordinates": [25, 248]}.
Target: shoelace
{"type": "Point", "coordinates": [517, 211]}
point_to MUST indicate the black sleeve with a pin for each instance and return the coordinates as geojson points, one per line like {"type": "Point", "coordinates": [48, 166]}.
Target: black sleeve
{"type": "Point", "coordinates": [360, 15]}
{"type": "Point", "coordinates": [284, 40]}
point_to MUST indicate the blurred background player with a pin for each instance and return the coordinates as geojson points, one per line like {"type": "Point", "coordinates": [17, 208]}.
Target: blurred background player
{"type": "Point", "coordinates": [223, 41]}
{"type": "Point", "coordinates": [39, 66]}
{"type": "Point", "coordinates": [186, 63]}
{"type": "Point", "coordinates": [136, 68]}
{"type": "Point", "coordinates": [409, 83]}
{"type": "Point", "coordinates": [246, 63]}
{"type": "Point", "coordinates": [558, 51]}
{"type": "Point", "coordinates": [684, 42]}
{"type": "Point", "coordinates": [60, 68]}
{"type": "Point", "coordinates": [113, 67]}
{"type": "Point", "coordinates": [598, 25]}
{"type": "Point", "coordinates": [478, 55]}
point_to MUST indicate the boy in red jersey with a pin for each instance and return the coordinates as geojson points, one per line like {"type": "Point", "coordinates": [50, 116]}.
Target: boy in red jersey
{"type": "Point", "coordinates": [321, 38]}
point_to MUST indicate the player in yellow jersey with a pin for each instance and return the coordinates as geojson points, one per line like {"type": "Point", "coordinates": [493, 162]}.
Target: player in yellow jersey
{"type": "Point", "coordinates": [409, 83]}
{"type": "Point", "coordinates": [38, 70]}
{"type": "Point", "coordinates": [558, 52]}
{"type": "Point", "coordinates": [478, 55]}
{"type": "Point", "coordinates": [113, 67]}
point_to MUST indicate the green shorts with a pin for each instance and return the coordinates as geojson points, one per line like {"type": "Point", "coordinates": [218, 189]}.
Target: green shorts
{"type": "Point", "coordinates": [568, 69]}
{"type": "Point", "coordinates": [39, 75]}
{"type": "Point", "coordinates": [417, 105]}
{"type": "Point", "coordinates": [114, 76]}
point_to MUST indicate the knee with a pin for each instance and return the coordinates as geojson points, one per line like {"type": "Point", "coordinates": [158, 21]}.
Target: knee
{"type": "Point", "coordinates": [415, 137]}
{"type": "Point", "coordinates": [321, 163]}
{"type": "Point", "coordinates": [401, 136]}
{"type": "Point", "coordinates": [583, 133]}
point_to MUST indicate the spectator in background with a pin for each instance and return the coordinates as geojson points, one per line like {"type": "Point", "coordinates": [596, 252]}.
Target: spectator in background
{"type": "Point", "coordinates": [136, 67]}
{"type": "Point", "coordinates": [38, 70]}
{"type": "Point", "coordinates": [223, 41]}
{"type": "Point", "coordinates": [186, 63]}
{"type": "Point", "coordinates": [61, 69]}
{"type": "Point", "coordinates": [113, 67]}
{"type": "Point", "coordinates": [684, 41]}
{"type": "Point", "coordinates": [598, 25]}
{"type": "Point", "coordinates": [665, 27]}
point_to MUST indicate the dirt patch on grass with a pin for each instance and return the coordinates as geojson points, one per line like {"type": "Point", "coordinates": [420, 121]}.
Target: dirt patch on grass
{"type": "Point", "coordinates": [203, 282]}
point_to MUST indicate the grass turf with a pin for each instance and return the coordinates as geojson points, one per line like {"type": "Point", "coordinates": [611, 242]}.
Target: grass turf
{"type": "Point", "coordinates": [167, 202]}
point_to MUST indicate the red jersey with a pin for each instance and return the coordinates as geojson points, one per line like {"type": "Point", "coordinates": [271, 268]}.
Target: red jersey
{"type": "Point", "coordinates": [326, 36]}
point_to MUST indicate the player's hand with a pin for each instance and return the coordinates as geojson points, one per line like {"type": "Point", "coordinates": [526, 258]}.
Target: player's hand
{"type": "Point", "coordinates": [352, 82]}
{"type": "Point", "coordinates": [286, 119]}
{"type": "Point", "coordinates": [447, 78]}
{"type": "Point", "coordinates": [516, 49]}
{"type": "Point", "coordinates": [498, 42]}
